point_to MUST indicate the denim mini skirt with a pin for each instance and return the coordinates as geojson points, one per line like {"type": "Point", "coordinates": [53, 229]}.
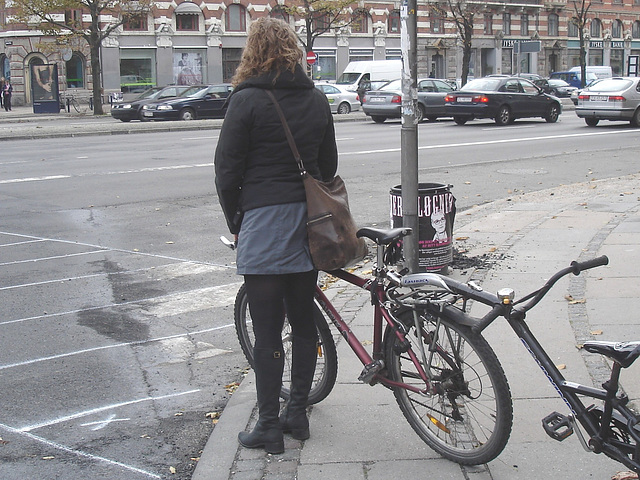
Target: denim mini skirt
{"type": "Point", "coordinates": [273, 240]}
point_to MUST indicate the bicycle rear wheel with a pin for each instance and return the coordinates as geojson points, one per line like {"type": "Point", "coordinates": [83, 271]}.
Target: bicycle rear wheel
{"type": "Point", "coordinates": [469, 417]}
{"type": "Point", "coordinates": [327, 361]}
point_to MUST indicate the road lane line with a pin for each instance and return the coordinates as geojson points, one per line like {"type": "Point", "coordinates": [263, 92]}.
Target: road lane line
{"type": "Point", "coordinates": [80, 453]}
{"type": "Point", "coordinates": [34, 179]}
{"type": "Point", "coordinates": [54, 257]}
{"type": "Point", "coordinates": [108, 347]}
{"type": "Point", "coordinates": [92, 411]}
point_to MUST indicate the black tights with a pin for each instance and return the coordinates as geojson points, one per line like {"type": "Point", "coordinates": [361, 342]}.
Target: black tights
{"type": "Point", "coordinates": [269, 295]}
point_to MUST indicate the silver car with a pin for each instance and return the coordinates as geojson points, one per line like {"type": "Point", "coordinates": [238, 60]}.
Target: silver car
{"type": "Point", "coordinates": [340, 99]}
{"type": "Point", "coordinates": [616, 98]}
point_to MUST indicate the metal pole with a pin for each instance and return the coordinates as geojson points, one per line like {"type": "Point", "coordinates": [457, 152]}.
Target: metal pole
{"type": "Point", "coordinates": [409, 132]}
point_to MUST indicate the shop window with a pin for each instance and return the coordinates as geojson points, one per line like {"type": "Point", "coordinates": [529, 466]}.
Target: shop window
{"type": "Point", "coordinates": [137, 23]}
{"type": "Point", "coordinates": [137, 70]}
{"type": "Point", "coordinates": [394, 22]}
{"type": "Point", "coordinates": [506, 24]}
{"type": "Point", "coordinates": [616, 29]}
{"type": "Point", "coordinates": [236, 18]}
{"type": "Point", "coordinates": [279, 12]}
{"type": "Point", "coordinates": [635, 29]}
{"type": "Point", "coordinates": [524, 24]}
{"type": "Point", "coordinates": [360, 22]}
{"type": "Point", "coordinates": [595, 28]}
{"type": "Point", "coordinates": [488, 24]}
{"type": "Point", "coordinates": [573, 28]}
{"type": "Point", "coordinates": [75, 71]}
{"type": "Point", "coordinates": [552, 24]}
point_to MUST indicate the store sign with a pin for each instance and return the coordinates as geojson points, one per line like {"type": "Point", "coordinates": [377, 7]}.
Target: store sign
{"type": "Point", "coordinates": [596, 44]}
{"type": "Point", "coordinates": [508, 43]}
{"type": "Point", "coordinates": [617, 44]}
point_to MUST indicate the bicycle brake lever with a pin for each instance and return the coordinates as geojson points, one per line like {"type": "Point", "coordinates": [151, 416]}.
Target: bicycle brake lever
{"type": "Point", "coordinates": [228, 243]}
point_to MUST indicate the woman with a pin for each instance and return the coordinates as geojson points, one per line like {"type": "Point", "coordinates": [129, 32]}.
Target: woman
{"type": "Point", "coordinates": [263, 199]}
{"type": "Point", "coordinates": [7, 91]}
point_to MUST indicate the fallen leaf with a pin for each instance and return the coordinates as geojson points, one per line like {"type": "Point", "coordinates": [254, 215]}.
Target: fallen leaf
{"type": "Point", "coordinates": [232, 387]}
{"type": "Point", "coordinates": [51, 457]}
{"type": "Point", "coordinates": [574, 302]}
{"type": "Point", "coordinates": [493, 249]}
{"type": "Point", "coordinates": [562, 366]}
{"type": "Point", "coordinates": [172, 470]}
{"type": "Point", "coordinates": [467, 183]}
{"type": "Point", "coordinates": [580, 346]}
{"type": "Point", "coordinates": [568, 297]}
{"type": "Point", "coordinates": [178, 414]}
{"type": "Point", "coordinates": [366, 342]}
{"type": "Point", "coordinates": [625, 476]}
{"type": "Point", "coordinates": [596, 332]}
{"type": "Point", "coordinates": [460, 239]}
{"type": "Point", "coordinates": [145, 436]}
{"type": "Point", "coordinates": [212, 415]}
{"type": "Point", "coordinates": [169, 243]}
{"type": "Point", "coordinates": [195, 459]}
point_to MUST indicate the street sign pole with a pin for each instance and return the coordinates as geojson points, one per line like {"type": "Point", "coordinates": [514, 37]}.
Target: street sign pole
{"type": "Point", "coordinates": [409, 132]}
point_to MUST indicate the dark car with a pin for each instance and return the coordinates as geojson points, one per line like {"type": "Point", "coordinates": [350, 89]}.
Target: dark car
{"type": "Point", "coordinates": [199, 101]}
{"type": "Point", "coordinates": [132, 110]}
{"type": "Point", "coordinates": [387, 101]}
{"type": "Point", "coordinates": [560, 88]}
{"type": "Point", "coordinates": [538, 80]}
{"type": "Point", "coordinates": [502, 98]}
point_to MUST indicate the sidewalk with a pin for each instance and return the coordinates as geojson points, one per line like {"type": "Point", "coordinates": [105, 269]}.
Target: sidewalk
{"type": "Point", "coordinates": [359, 433]}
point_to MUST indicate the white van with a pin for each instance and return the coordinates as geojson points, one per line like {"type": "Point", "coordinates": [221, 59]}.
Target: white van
{"type": "Point", "coordinates": [597, 70]}
{"type": "Point", "coordinates": [358, 76]}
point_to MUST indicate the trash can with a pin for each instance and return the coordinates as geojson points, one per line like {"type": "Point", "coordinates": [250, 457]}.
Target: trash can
{"type": "Point", "coordinates": [436, 214]}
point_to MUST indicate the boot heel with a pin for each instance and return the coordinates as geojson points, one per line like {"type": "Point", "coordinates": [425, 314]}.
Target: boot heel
{"type": "Point", "coordinates": [274, 447]}
{"type": "Point", "coordinates": [300, 433]}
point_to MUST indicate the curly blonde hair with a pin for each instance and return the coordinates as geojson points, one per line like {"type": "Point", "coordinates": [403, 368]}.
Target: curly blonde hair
{"type": "Point", "coordinates": [271, 46]}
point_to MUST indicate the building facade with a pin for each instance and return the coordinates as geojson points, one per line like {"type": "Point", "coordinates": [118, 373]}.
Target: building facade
{"type": "Point", "coordinates": [201, 41]}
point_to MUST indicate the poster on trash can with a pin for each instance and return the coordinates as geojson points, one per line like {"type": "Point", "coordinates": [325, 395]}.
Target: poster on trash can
{"type": "Point", "coordinates": [436, 215]}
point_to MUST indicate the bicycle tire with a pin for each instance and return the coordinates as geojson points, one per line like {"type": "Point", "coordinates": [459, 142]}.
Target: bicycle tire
{"type": "Point", "coordinates": [327, 362]}
{"type": "Point", "coordinates": [470, 417]}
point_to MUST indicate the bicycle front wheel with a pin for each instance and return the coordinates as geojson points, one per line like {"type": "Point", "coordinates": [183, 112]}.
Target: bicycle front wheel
{"type": "Point", "coordinates": [327, 361]}
{"type": "Point", "coordinates": [467, 417]}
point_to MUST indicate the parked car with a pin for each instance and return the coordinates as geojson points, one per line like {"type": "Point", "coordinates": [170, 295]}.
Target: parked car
{"type": "Point", "coordinates": [616, 98]}
{"type": "Point", "coordinates": [132, 110]}
{"type": "Point", "coordinates": [387, 101]}
{"type": "Point", "coordinates": [576, 93]}
{"type": "Point", "coordinates": [199, 101]}
{"type": "Point", "coordinates": [560, 88]}
{"type": "Point", "coordinates": [340, 99]}
{"type": "Point", "coordinates": [572, 77]}
{"type": "Point", "coordinates": [502, 98]}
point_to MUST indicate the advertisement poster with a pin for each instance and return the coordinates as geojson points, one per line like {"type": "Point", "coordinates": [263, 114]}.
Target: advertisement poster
{"type": "Point", "coordinates": [187, 68]}
{"type": "Point", "coordinates": [44, 82]}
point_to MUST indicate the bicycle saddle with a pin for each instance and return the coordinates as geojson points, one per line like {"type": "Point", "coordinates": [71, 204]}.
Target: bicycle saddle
{"type": "Point", "coordinates": [624, 353]}
{"type": "Point", "coordinates": [383, 236]}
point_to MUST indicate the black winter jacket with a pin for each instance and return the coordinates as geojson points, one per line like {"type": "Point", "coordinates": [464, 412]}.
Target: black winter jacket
{"type": "Point", "coordinates": [254, 164]}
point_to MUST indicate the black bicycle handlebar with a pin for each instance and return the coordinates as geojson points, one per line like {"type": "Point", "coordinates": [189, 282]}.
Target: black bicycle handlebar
{"type": "Point", "coordinates": [577, 267]}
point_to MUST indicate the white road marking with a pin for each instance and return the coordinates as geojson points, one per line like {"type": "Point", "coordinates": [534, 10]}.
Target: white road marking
{"type": "Point", "coordinates": [99, 425]}
{"type": "Point", "coordinates": [79, 453]}
{"type": "Point", "coordinates": [34, 179]}
{"type": "Point", "coordinates": [107, 347]}
{"type": "Point", "coordinates": [93, 411]}
{"type": "Point", "coordinates": [54, 257]}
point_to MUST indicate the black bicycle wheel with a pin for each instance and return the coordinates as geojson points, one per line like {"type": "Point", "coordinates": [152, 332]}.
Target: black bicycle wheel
{"type": "Point", "coordinates": [468, 416]}
{"type": "Point", "coordinates": [327, 362]}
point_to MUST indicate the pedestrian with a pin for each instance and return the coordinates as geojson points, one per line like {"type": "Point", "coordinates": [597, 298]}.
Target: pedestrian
{"type": "Point", "coordinates": [1, 93]}
{"type": "Point", "coordinates": [7, 90]}
{"type": "Point", "coordinates": [263, 199]}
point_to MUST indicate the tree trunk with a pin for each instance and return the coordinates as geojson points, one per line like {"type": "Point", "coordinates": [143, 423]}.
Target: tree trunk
{"type": "Point", "coordinates": [94, 45]}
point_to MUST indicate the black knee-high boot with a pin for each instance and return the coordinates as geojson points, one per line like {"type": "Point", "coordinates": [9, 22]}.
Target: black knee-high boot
{"type": "Point", "coordinates": [303, 366]}
{"type": "Point", "coordinates": [268, 366]}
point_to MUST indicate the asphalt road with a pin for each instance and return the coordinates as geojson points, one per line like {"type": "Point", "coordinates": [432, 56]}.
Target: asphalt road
{"type": "Point", "coordinates": [116, 298]}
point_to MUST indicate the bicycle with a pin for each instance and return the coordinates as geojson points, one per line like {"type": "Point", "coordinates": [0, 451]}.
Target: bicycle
{"type": "Point", "coordinates": [445, 377]}
{"type": "Point", "coordinates": [67, 101]}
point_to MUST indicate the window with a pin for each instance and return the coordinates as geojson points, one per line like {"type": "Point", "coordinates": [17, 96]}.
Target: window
{"type": "Point", "coordinates": [137, 23]}
{"type": "Point", "coordinates": [279, 12]}
{"type": "Point", "coordinates": [360, 22]}
{"type": "Point", "coordinates": [73, 18]}
{"type": "Point", "coordinates": [506, 24]}
{"type": "Point", "coordinates": [524, 24]}
{"type": "Point", "coordinates": [75, 71]}
{"type": "Point", "coordinates": [394, 22]}
{"type": "Point", "coordinates": [236, 18]}
{"type": "Point", "coordinates": [186, 22]}
{"type": "Point", "coordinates": [635, 29]}
{"type": "Point", "coordinates": [616, 29]}
{"type": "Point", "coordinates": [552, 25]}
{"type": "Point", "coordinates": [321, 22]}
{"type": "Point", "coordinates": [437, 22]}
{"type": "Point", "coordinates": [596, 28]}
{"type": "Point", "coordinates": [573, 28]}
{"type": "Point", "coordinates": [488, 24]}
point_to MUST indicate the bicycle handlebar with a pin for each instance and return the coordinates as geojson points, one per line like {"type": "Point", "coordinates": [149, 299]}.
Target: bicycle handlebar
{"type": "Point", "coordinates": [577, 267]}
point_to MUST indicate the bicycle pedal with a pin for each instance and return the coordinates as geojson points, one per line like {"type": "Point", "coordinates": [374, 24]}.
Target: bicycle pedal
{"type": "Point", "coordinates": [370, 371]}
{"type": "Point", "coordinates": [557, 426]}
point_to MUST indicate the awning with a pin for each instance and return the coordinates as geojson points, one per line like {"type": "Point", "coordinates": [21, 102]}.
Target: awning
{"type": "Point", "coordinates": [188, 8]}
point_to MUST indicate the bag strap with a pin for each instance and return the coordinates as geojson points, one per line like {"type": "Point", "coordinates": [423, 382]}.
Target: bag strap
{"type": "Point", "coordinates": [287, 131]}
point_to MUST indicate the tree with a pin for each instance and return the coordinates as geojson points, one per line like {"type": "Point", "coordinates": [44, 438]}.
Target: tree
{"type": "Point", "coordinates": [463, 13]}
{"type": "Point", "coordinates": [63, 19]}
{"type": "Point", "coordinates": [581, 11]}
{"type": "Point", "coordinates": [319, 17]}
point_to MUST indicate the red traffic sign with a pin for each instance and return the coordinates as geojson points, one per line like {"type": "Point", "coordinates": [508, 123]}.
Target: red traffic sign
{"type": "Point", "coordinates": [312, 58]}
